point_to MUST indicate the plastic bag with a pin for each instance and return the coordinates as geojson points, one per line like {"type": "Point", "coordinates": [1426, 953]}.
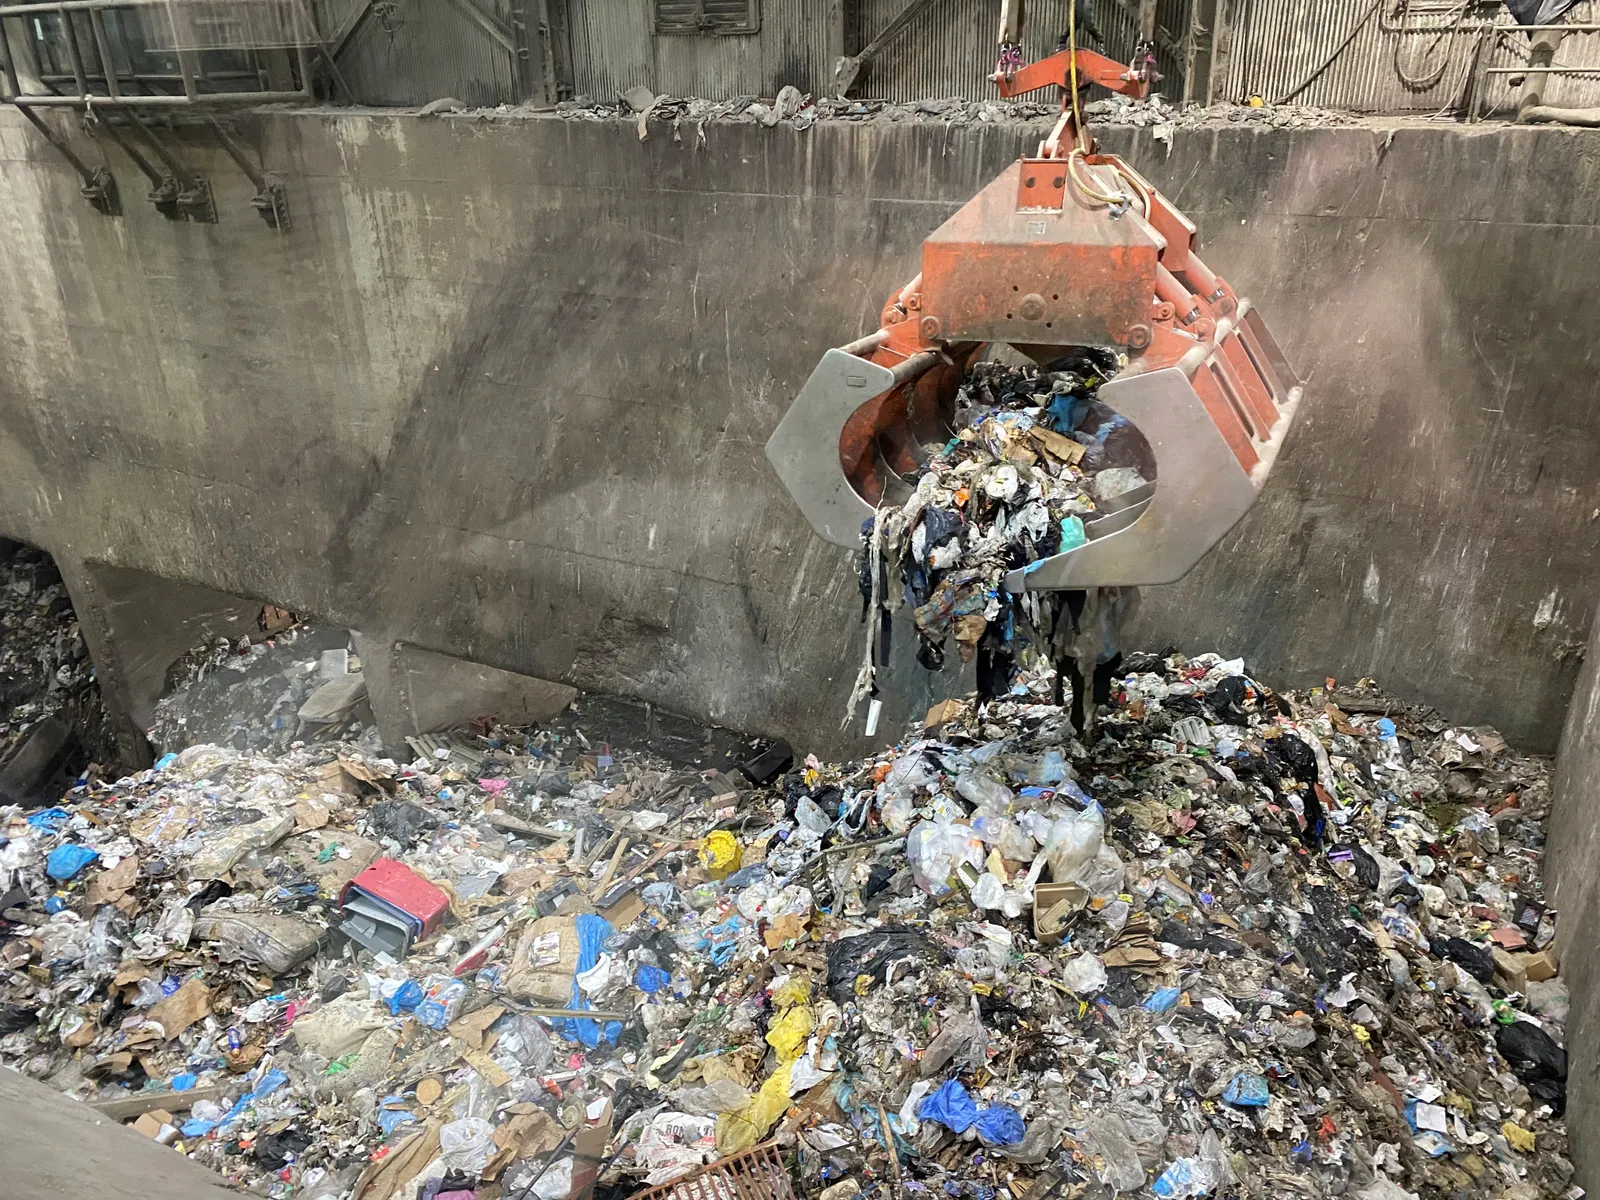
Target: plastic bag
{"type": "Point", "coordinates": [958, 1032]}
{"type": "Point", "coordinates": [1119, 1168]}
{"type": "Point", "coordinates": [935, 851]}
{"type": "Point", "coordinates": [522, 1037]}
{"type": "Point", "coordinates": [467, 1145]}
{"type": "Point", "coordinates": [1075, 839]}
{"type": "Point", "coordinates": [985, 792]}
{"type": "Point", "coordinates": [1000, 1125]}
{"type": "Point", "coordinates": [1103, 875]}
{"type": "Point", "coordinates": [1005, 835]}
{"type": "Point", "coordinates": [988, 892]}
{"type": "Point", "coordinates": [742, 1128]}
{"type": "Point", "coordinates": [722, 1096]}
{"type": "Point", "coordinates": [720, 853]}
{"type": "Point", "coordinates": [66, 861]}
{"type": "Point", "coordinates": [1085, 975]}
{"type": "Point", "coordinates": [787, 1034]}
{"type": "Point", "coordinates": [898, 812]}
{"type": "Point", "coordinates": [873, 955]}
{"type": "Point", "coordinates": [951, 1106]}
{"type": "Point", "coordinates": [811, 816]}
{"type": "Point", "coordinates": [442, 997]}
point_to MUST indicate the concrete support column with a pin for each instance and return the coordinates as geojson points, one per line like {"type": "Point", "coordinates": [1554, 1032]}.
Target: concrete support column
{"type": "Point", "coordinates": [136, 625]}
{"type": "Point", "coordinates": [111, 669]}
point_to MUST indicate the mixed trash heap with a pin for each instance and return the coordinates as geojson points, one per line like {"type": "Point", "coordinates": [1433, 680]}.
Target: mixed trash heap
{"type": "Point", "coordinates": [1242, 943]}
{"type": "Point", "coordinates": [45, 670]}
{"type": "Point", "coordinates": [1036, 465]}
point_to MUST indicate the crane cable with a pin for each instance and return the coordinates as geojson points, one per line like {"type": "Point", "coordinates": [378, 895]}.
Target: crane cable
{"type": "Point", "coordinates": [1080, 134]}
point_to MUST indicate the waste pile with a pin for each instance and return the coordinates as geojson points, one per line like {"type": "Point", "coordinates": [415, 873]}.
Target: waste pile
{"type": "Point", "coordinates": [284, 681]}
{"type": "Point", "coordinates": [1035, 459]}
{"type": "Point", "coordinates": [799, 110]}
{"type": "Point", "coordinates": [47, 683]}
{"type": "Point", "coordinates": [1242, 943]}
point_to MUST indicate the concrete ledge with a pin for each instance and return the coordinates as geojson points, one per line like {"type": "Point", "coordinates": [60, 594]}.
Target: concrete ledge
{"type": "Point", "coordinates": [414, 691]}
{"type": "Point", "coordinates": [57, 1149]}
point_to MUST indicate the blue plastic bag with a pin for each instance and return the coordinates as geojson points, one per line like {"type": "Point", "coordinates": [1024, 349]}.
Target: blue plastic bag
{"type": "Point", "coordinates": [951, 1106]}
{"type": "Point", "coordinates": [1247, 1090]}
{"type": "Point", "coordinates": [49, 820]}
{"type": "Point", "coordinates": [650, 979]}
{"type": "Point", "coordinates": [1000, 1125]}
{"type": "Point", "coordinates": [404, 998]}
{"type": "Point", "coordinates": [1177, 1180]}
{"type": "Point", "coordinates": [66, 861]}
{"type": "Point", "coordinates": [1163, 1000]}
{"type": "Point", "coordinates": [592, 934]}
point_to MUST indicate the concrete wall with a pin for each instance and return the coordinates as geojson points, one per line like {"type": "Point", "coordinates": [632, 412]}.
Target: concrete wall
{"type": "Point", "coordinates": [1574, 872]}
{"type": "Point", "coordinates": [502, 391]}
{"type": "Point", "coordinates": [56, 1148]}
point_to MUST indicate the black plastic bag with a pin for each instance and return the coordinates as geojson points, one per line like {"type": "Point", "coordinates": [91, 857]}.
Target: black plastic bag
{"type": "Point", "coordinates": [273, 1150]}
{"type": "Point", "coordinates": [871, 954]}
{"type": "Point", "coordinates": [1477, 960]}
{"type": "Point", "coordinates": [1537, 1061]}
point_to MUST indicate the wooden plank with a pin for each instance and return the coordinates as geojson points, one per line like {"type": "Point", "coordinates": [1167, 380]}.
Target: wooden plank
{"type": "Point", "coordinates": [121, 1108]}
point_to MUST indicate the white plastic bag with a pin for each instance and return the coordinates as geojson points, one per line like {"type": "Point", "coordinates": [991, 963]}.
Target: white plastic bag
{"type": "Point", "coordinates": [467, 1145]}
{"type": "Point", "coordinates": [935, 851]}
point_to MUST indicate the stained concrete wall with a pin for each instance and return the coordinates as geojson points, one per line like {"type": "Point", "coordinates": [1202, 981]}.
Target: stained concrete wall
{"type": "Point", "coordinates": [502, 392]}
{"type": "Point", "coordinates": [55, 1148]}
{"type": "Point", "coordinates": [1574, 871]}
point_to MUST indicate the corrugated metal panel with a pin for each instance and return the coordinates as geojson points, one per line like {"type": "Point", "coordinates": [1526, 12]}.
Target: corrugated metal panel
{"type": "Point", "coordinates": [951, 50]}
{"type": "Point", "coordinates": [614, 47]}
{"type": "Point", "coordinates": [1421, 60]}
{"type": "Point", "coordinates": [424, 50]}
{"type": "Point", "coordinates": [1118, 22]}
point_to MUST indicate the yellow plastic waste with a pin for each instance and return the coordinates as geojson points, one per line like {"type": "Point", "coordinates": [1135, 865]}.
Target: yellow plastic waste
{"type": "Point", "coordinates": [744, 1127]}
{"type": "Point", "coordinates": [787, 1034]}
{"type": "Point", "coordinates": [720, 853]}
{"type": "Point", "coordinates": [794, 990]}
{"type": "Point", "coordinates": [1520, 1138]}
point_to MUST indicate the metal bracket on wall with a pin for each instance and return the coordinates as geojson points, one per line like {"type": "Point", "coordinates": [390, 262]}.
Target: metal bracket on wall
{"type": "Point", "coordinates": [99, 186]}
{"type": "Point", "coordinates": [179, 194]}
{"type": "Point", "coordinates": [848, 70]}
{"type": "Point", "coordinates": [163, 191]}
{"type": "Point", "coordinates": [270, 200]}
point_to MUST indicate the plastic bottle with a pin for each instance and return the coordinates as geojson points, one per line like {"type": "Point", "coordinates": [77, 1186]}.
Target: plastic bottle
{"type": "Point", "coordinates": [442, 998]}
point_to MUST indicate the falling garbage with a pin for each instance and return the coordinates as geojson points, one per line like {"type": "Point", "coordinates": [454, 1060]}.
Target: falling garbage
{"type": "Point", "coordinates": [1237, 942]}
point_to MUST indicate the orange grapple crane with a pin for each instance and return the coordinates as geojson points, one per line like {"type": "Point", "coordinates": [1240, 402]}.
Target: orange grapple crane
{"type": "Point", "coordinates": [1069, 247]}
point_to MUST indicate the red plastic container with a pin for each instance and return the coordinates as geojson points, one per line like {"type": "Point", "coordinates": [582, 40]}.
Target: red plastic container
{"type": "Point", "coordinates": [397, 884]}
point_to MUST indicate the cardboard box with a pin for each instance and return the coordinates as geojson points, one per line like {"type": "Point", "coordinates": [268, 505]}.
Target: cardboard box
{"type": "Point", "coordinates": [942, 713]}
{"type": "Point", "coordinates": [157, 1126]}
{"type": "Point", "coordinates": [1054, 907]}
{"type": "Point", "coordinates": [621, 905]}
{"type": "Point", "coordinates": [1539, 967]}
